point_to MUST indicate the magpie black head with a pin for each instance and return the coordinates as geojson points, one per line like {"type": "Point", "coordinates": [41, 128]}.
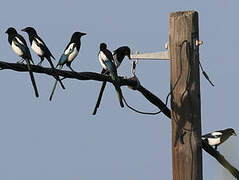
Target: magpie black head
{"type": "Point", "coordinates": [231, 131]}
{"type": "Point", "coordinates": [77, 35]}
{"type": "Point", "coordinates": [124, 50]}
{"type": "Point", "coordinates": [29, 31]}
{"type": "Point", "coordinates": [103, 46]}
{"type": "Point", "coordinates": [11, 31]}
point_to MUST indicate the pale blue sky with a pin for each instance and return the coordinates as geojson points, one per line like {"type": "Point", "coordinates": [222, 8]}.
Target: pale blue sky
{"type": "Point", "coordinates": [61, 140]}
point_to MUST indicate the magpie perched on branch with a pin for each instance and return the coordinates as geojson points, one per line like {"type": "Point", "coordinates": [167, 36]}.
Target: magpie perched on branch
{"type": "Point", "coordinates": [132, 82]}
{"type": "Point", "coordinates": [70, 52]}
{"type": "Point", "coordinates": [19, 46]}
{"type": "Point", "coordinates": [118, 56]}
{"type": "Point", "coordinates": [106, 61]}
{"type": "Point", "coordinates": [40, 48]}
{"type": "Point", "coordinates": [218, 137]}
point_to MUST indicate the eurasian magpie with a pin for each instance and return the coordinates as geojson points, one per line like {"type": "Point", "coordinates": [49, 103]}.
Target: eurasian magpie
{"type": "Point", "coordinates": [71, 51]}
{"type": "Point", "coordinates": [19, 46]}
{"type": "Point", "coordinates": [118, 56]}
{"type": "Point", "coordinates": [40, 48]}
{"type": "Point", "coordinates": [106, 61]}
{"type": "Point", "coordinates": [218, 137]}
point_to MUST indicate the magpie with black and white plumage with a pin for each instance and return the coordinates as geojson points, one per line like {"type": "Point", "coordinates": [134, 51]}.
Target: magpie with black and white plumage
{"type": "Point", "coordinates": [218, 137]}
{"type": "Point", "coordinates": [70, 52]}
{"type": "Point", "coordinates": [107, 62]}
{"type": "Point", "coordinates": [118, 56]}
{"type": "Point", "coordinates": [40, 48]}
{"type": "Point", "coordinates": [120, 53]}
{"type": "Point", "coordinates": [19, 46]}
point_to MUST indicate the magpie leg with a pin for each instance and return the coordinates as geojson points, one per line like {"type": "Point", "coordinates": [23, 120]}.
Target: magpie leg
{"type": "Point", "coordinates": [39, 64]}
{"type": "Point", "coordinates": [52, 66]}
{"type": "Point", "coordinates": [20, 61]}
{"type": "Point", "coordinates": [63, 78]}
{"type": "Point", "coordinates": [105, 72]}
{"type": "Point", "coordinates": [71, 69]}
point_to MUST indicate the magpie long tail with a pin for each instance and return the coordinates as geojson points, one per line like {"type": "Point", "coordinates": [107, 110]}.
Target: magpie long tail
{"type": "Point", "coordinates": [99, 97]}
{"type": "Point", "coordinates": [119, 94]}
{"type": "Point", "coordinates": [32, 78]}
{"type": "Point", "coordinates": [57, 77]}
{"type": "Point", "coordinates": [54, 87]}
{"type": "Point", "coordinates": [53, 90]}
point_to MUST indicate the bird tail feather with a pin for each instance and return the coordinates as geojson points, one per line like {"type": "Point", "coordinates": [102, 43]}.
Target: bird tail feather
{"type": "Point", "coordinates": [57, 77]}
{"type": "Point", "coordinates": [32, 78]}
{"type": "Point", "coordinates": [117, 88]}
{"type": "Point", "coordinates": [54, 87]}
{"type": "Point", "coordinates": [101, 93]}
{"type": "Point", "coordinates": [119, 94]}
{"type": "Point", "coordinates": [99, 97]}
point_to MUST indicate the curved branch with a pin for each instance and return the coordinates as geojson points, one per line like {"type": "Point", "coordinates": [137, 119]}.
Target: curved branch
{"type": "Point", "coordinates": [209, 149]}
{"type": "Point", "coordinates": [89, 76]}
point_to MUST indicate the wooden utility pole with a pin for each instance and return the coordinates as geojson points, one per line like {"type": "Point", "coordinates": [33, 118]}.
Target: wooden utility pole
{"type": "Point", "coordinates": [185, 99]}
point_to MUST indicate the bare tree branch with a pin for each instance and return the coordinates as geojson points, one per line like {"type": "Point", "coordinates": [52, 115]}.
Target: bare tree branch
{"type": "Point", "coordinates": [209, 149]}
{"type": "Point", "coordinates": [89, 76]}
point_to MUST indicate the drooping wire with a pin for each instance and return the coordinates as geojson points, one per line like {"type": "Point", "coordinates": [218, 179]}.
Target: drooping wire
{"type": "Point", "coordinates": [175, 84]}
{"type": "Point", "coordinates": [180, 133]}
{"type": "Point", "coordinates": [205, 74]}
{"type": "Point", "coordinates": [133, 71]}
{"type": "Point", "coordinates": [181, 71]}
{"type": "Point", "coordinates": [138, 111]}
{"type": "Point", "coordinates": [172, 89]}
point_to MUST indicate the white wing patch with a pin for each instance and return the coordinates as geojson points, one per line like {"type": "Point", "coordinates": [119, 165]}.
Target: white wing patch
{"type": "Point", "coordinates": [73, 55]}
{"type": "Point", "coordinates": [102, 58]}
{"type": "Point", "coordinates": [73, 52]}
{"type": "Point", "coordinates": [18, 40]}
{"type": "Point", "coordinates": [39, 41]}
{"type": "Point", "coordinates": [216, 133]}
{"type": "Point", "coordinates": [36, 48]}
{"type": "Point", "coordinates": [70, 48]}
{"type": "Point", "coordinates": [116, 62]}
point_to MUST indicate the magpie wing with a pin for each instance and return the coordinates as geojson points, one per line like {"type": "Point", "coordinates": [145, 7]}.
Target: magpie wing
{"type": "Point", "coordinates": [213, 135]}
{"type": "Point", "coordinates": [43, 46]}
{"type": "Point", "coordinates": [21, 43]}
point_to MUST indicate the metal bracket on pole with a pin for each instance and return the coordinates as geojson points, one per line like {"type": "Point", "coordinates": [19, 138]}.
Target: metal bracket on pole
{"type": "Point", "coordinates": [164, 55]}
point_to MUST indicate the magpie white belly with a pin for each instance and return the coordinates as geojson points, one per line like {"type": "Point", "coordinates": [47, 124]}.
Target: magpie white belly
{"type": "Point", "coordinates": [36, 48]}
{"type": "Point", "coordinates": [16, 49]}
{"type": "Point", "coordinates": [102, 58]}
{"type": "Point", "coordinates": [73, 55]}
{"type": "Point", "coordinates": [213, 141]}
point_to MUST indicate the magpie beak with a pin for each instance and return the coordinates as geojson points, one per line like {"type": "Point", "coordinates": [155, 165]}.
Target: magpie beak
{"type": "Point", "coordinates": [24, 30]}
{"type": "Point", "coordinates": [234, 134]}
{"type": "Point", "coordinates": [82, 34]}
{"type": "Point", "coordinates": [129, 55]}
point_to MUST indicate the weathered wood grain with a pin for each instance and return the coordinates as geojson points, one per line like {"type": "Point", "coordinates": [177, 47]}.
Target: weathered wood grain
{"type": "Point", "coordinates": [185, 98]}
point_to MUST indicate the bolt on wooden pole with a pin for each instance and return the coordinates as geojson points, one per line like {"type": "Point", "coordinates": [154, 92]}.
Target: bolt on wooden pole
{"type": "Point", "coordinates": [185, 99]}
